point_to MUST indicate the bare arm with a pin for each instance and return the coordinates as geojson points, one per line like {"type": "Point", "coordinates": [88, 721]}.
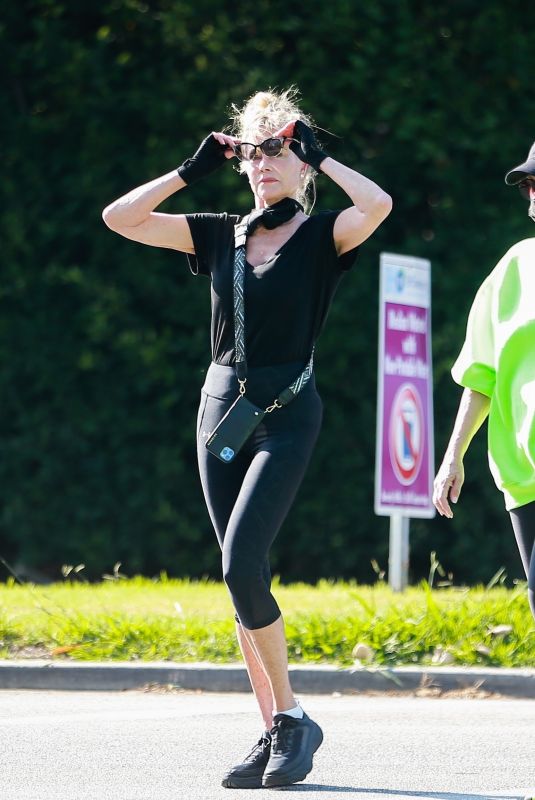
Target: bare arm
{"type": "Point", "coordinates": [473, 410]}
{"type": "Point", "coordinates": [371, 205]}
{"type": "Point", "coordinates": [133, 216]}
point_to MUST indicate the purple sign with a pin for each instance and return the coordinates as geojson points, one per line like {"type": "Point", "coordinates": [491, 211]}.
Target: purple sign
{"type": "Point", "coordinates": [404, 450]}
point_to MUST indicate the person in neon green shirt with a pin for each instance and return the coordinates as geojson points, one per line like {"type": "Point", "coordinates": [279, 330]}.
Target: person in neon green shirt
{"type": "Point", "coordinates": [496, 366]}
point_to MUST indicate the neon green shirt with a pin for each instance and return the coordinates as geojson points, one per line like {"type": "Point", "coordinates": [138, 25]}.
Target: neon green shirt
{"type": "Point", "coordinates": [498, 360]}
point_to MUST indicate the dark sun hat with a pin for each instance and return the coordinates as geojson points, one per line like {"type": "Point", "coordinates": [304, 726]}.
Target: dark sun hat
{"type": "Point", "coordinates": [518, 174]}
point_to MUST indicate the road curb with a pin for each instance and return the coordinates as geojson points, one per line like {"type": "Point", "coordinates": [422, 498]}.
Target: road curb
{"type": "Point", "coordinates": [318, 679]}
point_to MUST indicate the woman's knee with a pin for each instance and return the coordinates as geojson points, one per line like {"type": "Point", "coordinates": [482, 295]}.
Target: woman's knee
{"type": "Point", "coordinates": [240, 576]}
{"type": "Point", "coordinates": [255, 605]}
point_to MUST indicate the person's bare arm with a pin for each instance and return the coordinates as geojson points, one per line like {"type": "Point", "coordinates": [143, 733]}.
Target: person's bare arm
{"type": "Point", "coordinates": [371, 205]}
{"type": "Point", "coordinates": [473, 410]}
{"type": "Point", "coordinates": [133, 215]}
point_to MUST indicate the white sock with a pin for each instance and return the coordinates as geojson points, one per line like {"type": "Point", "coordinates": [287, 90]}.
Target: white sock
{"type": "Point", "coordinates": [296, 712]}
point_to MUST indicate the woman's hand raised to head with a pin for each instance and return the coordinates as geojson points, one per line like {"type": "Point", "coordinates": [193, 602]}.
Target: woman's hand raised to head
{"type": "Point", "coordinates": [287, 132]}
{"type": "Point", "coordinates": [305, 145]}
{"type": "Point", "coordinates": [227, 141]}
{"type": "Point", "coordinates": [210, 155]}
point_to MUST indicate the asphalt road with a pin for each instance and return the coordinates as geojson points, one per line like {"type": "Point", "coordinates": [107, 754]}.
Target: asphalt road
{"type": "Point", "coordinates": [174, 746]}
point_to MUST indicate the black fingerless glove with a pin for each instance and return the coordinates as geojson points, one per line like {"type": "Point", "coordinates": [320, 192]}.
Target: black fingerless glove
{"type": "Point", "coordinates": [209, 157]}
{"type": "Point", "coordinates": [306, 147]}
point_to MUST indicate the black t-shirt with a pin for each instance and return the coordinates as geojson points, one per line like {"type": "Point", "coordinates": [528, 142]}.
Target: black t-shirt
{"type": "Point", "coordinates": [287, 298]}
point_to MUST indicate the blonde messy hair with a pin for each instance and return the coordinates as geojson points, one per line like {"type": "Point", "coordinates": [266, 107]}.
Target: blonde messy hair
{"type": "Point", "coordinates": [267, 112]}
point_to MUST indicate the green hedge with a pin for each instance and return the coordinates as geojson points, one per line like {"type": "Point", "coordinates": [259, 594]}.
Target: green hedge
{"type": "Point", "coordinates": [103, 343]}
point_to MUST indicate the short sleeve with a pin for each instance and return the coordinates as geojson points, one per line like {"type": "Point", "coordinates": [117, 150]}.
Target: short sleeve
{"type": "Point", "coordinates": [475, 366]}
{"type": "Point", "coordinates": [212, 235]}
{"type": "Point", "coordinates": [346, 260]}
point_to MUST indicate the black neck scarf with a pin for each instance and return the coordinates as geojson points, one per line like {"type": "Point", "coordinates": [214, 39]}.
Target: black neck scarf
{"type": "Point", "coordinates": [275, 215]}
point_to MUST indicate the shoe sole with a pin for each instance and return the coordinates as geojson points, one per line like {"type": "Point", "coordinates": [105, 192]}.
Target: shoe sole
{"type": "Point", "coordinates": [242, 783]}
{"type": "Point", "coordinates": [300, 772]}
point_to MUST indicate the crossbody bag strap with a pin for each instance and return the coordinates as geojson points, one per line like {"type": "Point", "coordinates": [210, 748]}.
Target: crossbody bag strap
{"type": "Point", "coordinates": [240, 237]}
{"type": "Point", "coordinates": [238, 280]}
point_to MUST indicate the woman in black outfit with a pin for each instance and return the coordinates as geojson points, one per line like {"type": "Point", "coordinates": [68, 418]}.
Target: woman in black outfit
{"type": "Point", "coordinates": [293, 264]}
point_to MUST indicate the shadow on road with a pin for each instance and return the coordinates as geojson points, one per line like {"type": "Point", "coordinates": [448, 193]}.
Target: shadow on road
{"type": "Point", "coordinates": [325, 787]}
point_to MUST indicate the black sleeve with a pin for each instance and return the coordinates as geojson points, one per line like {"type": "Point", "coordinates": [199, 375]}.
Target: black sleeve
{"type": "Point", "coordinates": [346, 260]}
{"type": "Point", "coordinates": [212, 235]}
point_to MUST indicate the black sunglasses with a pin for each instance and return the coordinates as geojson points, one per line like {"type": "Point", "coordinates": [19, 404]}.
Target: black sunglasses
{"type": "Point", "coordinates": [269, 147]}
{"type": "Point", "coordinates": [525, 185]}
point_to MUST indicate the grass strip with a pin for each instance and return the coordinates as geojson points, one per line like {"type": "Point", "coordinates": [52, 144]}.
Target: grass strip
{"type": "Point", "coordinates": [188, 620]}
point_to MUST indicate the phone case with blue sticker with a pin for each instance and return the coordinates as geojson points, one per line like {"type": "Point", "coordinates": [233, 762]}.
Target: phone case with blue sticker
{"type": "Point", "coordinates": [231, 433]}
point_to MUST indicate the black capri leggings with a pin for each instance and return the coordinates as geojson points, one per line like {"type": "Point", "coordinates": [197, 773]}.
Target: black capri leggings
{"type": "Point", "coordinates": [249, 498]}
{"type": "Point", "coordinates": [523, 519]}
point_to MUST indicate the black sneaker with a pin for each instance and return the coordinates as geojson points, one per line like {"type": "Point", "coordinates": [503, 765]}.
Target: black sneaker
{"type": "Point", "coordinates": [294, 742]}
{"type": "Point", "coordinates": [248, 774]}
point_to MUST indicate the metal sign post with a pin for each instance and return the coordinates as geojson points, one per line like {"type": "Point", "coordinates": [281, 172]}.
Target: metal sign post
{"type": "Point", "coordinates": [404, 444]}
{"type": "Point", "coordinates": [398, 554]}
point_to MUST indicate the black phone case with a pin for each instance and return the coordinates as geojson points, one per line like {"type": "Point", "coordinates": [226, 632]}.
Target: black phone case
{"type": "Point", "coordinates": [234, 429]}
